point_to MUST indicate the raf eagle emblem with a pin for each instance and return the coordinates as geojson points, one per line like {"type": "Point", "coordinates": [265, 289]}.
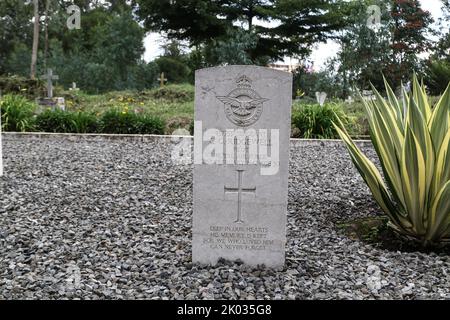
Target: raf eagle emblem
{"type": "Point", "coordinates": [243, 106]}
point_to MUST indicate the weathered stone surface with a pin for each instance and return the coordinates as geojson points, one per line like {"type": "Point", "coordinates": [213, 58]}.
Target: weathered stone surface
{"type": "Point", "coordinates": [240, 206]}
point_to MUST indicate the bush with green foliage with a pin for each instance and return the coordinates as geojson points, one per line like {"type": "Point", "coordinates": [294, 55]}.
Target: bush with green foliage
{"type": "Point", "coordinates": [21, 86]}
{"type": "Point", "coordinates": [16, 113]}
{"type": "Point", "coordinates": [174, 70]}
{"type": "Point", "coordinates": [438, 75]}
{"type": "Point", "coordinates": [311, 82]}
{"type": "Point", "coordinates": [84, 122]}
{"type": "Point", "coordinates": [67, 122]}
{"type": "Point", "coordinates": [174, 93]}
{"type": "Point", "coordinates": [117, 121]}
{"type": "Point", "coordinates": [412, 141]}
{"type": "Point", "coordinates": [316, 122]}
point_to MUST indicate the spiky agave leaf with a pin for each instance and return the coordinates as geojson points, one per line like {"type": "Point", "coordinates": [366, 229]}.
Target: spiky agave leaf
{"type": "Point", "coordinates": [374, 181]}
{"type": "Point", "coordinates": [412, 141]}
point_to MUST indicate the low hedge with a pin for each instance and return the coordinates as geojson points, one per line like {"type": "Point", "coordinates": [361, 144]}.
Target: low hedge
{"type": "Point", "coordinates": [115, 121]}
{"type": "Point", "coordinates": [67, 122]}
{"type": "Point", "coordinates": [18, 114]}
{"type": "Point", "coordinates": [111, 122]}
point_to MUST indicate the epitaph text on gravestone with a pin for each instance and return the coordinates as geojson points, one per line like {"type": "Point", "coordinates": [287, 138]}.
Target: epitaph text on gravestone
{"type": "Point", "coordinates": [242, 132]}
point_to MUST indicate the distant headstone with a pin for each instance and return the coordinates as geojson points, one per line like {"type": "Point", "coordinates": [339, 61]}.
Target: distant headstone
{"type": "Point", "coordinates": [74, 87]}
{"type": "Point", "coordinates": [50, 77]}
{"type": "Point", "coordinates": [50, 101]}
{"type": "Point", "coordinates": [162, 80]}
{"type": "Point", "coordinates": [61, 103]}
{"type": "Point", "coordinates": [321, 97]}
{"type": "Point", "coordinates": [368, 95]}
{"type": "Point", "coordinates": [349, 100]}
{"type": "Point", "coordinates": [241, 158]}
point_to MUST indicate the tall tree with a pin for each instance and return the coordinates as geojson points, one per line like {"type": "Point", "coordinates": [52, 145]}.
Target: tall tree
{"type": "Point", "coordinates": [35, 40]}
{"type": "Point", "coordinates": [365, 49]}
{"type": "Point", "coordinates": [443, 46]}
{"type": "Point", "coordinates": [289, 28]}
{"type": "Point", "coordinates": [15, 30]}
{"type": "Point", "coordinates": [47, 8]}
{"type": "Point", "coordinates": [410, 27]}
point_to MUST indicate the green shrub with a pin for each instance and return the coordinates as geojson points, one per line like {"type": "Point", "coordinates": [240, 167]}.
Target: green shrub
{"type": "Point", "coordinates": [438, 76]}
{"type": "Point", "coordinates": [147, 124]}
{"type": "Point", "coordinates": [84, 122]}
{"type": "Point", "coordinates": [67, 122]}
{"type": "Point", "coordinates": [115, 121]}
{"type": "Point", "coordinates": [20, 85]}
{"type": "Point", "coordinates": [174, 70]}
{"type": "Point", "coordinates": [55, 121]}
{"type": "Point", "coordinates": [316, 122]}
{"type": "Point", "coordinates": [174, 93]}
{"type": "Point", "coordinates": [16, 113]}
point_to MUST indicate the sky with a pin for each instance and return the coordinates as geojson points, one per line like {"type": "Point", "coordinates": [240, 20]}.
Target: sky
{"type": "Point", "coordinates": [320, 54]}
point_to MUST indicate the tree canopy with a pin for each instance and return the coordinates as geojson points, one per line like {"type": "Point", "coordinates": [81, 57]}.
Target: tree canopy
{"type": "Point", "coordinates": [281, 27]}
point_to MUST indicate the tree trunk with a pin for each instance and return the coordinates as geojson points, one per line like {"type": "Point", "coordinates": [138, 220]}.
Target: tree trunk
{"type": "Point", "coordinates": [35, 40]}
{"type": "Point", "coordinates": [47, 6]}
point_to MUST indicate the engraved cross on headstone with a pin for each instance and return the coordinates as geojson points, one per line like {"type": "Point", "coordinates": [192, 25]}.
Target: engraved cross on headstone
{"type": "Point", "coordinates": [239, 190]}
{"type": "Point", "coordinates": [49, 77]}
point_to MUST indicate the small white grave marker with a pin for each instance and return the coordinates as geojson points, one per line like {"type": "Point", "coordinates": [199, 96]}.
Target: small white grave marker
{"type": "Point", "coordinates": [321, 97]}
{"type": "Point", "coordinates": [74, 87]}
{"type": "Point", "coordinates": [368, 95]}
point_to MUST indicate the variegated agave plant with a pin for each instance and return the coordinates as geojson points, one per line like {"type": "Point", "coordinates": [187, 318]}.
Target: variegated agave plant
{"type": "Point", "coordinates": [412, 141]}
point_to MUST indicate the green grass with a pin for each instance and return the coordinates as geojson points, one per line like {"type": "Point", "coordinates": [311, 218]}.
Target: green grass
{"type": "Point", "coordinates": [167, 103]}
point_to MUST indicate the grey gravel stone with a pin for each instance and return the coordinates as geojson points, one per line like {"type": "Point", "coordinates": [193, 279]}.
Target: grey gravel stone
{"type": "Point", "coordinates": [112, 220]}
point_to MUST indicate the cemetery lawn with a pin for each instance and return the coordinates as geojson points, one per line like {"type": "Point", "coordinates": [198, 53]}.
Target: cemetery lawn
{"type": "Point", "coordinates": [175, 105]}
{"type": "Point", "coordinates": [169, 102]}
{"type": "Point", "coordinates": [107, 219]}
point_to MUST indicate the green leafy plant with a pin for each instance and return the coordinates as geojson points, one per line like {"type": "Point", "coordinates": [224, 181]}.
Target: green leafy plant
{"type": "Point", "coordinates": [412, 141]}
{"type": "Point", "coordinates": [117, 121]}
{"type": "Point", "coordinates": [147, 124]}
{"type": "Point", "coordinates": [84, 122]}
{"type": "Point", "coordinates": [21, 86]}
{"type": "Point", "coordinates": [438, 75]}
{"type": "Point", "coordinates": [57, 121]}
{"type": "Point", "coordinates": [316, 122]}
{"type": "Point", "coordinates": [174, 93]}
{"type": "Point", "coordinates": [16, 113]}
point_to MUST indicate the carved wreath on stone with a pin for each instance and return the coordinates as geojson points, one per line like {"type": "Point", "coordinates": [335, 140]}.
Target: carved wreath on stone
{"type": "Point", "coordinates": [243, 105]}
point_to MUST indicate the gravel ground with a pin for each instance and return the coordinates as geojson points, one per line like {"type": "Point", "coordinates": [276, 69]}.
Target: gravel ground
{"type": "Point", "coordinates": [112, 220]}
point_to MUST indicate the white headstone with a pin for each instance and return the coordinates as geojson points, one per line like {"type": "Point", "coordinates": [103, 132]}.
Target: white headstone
{"type": "Point", "coordinates": [74, 87]}
{"type": "Point", "coordinates": [321, 97]}
{"type": "Point", "coordinates": [368, 95]}
{"type": "Point", "coordinates": [241, 158]}
{"type": "Point", "coordinates": [61, 103]}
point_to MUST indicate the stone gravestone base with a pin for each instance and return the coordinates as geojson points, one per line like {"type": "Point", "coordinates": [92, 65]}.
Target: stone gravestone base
{"type": "Point", "coordinates": [241, 158]}
{"type": "Point", "coordinates": [53, 103]}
